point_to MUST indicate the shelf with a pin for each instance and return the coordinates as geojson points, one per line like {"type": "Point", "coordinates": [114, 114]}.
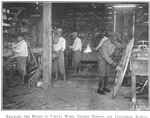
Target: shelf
{"type": "Point", "coordinates": [16, 8]}
{"type": "Point", "coordinates": [8, 27]}
{"type": "Point", "coordinates": [8, 38]}
{"type": "Point", "coordinates": [35, 15]}
{"type": "Point", "coordinates": [9, 15]}
{"type": "Point", "coordinates": [8, 34]}
{"type": "Point", "coordinates": [7, 21]}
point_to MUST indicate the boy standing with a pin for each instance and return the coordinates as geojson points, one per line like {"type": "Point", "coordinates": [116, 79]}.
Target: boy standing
{"type": "Point", "coordinates": [21, 54]}
{"type": "Point", "coordinates": [77, 47]}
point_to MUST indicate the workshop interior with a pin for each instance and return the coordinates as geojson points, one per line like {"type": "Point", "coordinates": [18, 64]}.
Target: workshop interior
{"type": "Point", "coordinates": [41, 88]}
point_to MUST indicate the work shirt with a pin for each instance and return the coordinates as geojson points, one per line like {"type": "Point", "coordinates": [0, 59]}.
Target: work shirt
{"type": "Point", "coordinates": [60, 44]}
{"type": "Point", "coordinates": [77, 44]}
{"type": "Point", "coordinates": [101, 42]}
{"type": "Point", "coordinates": [107, 49]}
{"type": "Point", "coordinates": [21, 49]}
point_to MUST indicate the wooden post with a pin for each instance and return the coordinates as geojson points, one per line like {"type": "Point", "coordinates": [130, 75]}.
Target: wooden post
{"type": "Point", "coordinates": [133, 27]}
{"type": "Point", "coordinates": [47, 45]}
{"type": "Point", "coordinates": [149, 62]}
{"type": "Point", "coordinates": [115, 21]}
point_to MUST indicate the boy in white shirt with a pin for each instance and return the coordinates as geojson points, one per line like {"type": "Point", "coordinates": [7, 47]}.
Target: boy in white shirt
{"type": "Point", "coordinates": [77, 47]}
{"type": "Point", "coordinates": [59, 48]}
{"type": "Point", "coordinates": [21, 54]}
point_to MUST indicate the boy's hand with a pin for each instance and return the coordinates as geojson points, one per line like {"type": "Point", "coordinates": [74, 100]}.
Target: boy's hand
{"type": "Point", "coordinates": [114, 64]}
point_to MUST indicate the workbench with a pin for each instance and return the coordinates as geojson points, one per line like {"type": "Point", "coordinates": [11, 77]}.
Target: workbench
{"type": "Point", "coordinates": [8, 54]}
{"type": "Point", "coordinates": [91, 56]}
{"type": "Point", "coordinates": [138, 66]}
{"type": "Point", "coordinates": [90, 59]}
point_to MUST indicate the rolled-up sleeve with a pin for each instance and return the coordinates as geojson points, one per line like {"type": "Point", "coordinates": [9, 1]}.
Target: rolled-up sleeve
{"type": "Point", "coordinates": [64, 44]}
{"type": "Point", "coordinates": [74, 44]}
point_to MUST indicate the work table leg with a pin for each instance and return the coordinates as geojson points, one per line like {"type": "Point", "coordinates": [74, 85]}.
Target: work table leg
{"type": "Point", "coordinates": [134, 91]}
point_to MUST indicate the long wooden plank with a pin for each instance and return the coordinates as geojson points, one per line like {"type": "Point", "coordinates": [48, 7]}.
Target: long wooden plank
{"type": "Point", "coordinates": [16, 8]}
{"type": "Point", "coordinates": [17, 14]}
{"type": "Point", "coordinates": [124, 63]}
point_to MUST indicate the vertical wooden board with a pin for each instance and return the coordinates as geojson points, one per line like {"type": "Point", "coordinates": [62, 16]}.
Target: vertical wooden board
{"type": "Point", "coordinates": [47, 45]}
{"type": "Point", "coordinates": [119, 21]}
{"type": "Point", "coordinates": [40, 32]}
{"type": "Point", "coordinates": [34, 35]}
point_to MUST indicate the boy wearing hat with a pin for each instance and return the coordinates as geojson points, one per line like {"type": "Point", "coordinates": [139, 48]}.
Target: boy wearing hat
{"type": "Point", "coordinates": [104, 36]}
{"type": "Point", "coordinates": [21, 54]}
{"type": "Point", "coordinates": [76, 47]}
{"type": "Point", "coordinates": [59, 48]}
{"type": "Point", "coordinates": [105, 61]}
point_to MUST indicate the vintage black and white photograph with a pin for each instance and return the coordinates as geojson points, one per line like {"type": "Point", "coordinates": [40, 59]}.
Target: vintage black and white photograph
{"type": "Point", "coordinates": [75, 55]}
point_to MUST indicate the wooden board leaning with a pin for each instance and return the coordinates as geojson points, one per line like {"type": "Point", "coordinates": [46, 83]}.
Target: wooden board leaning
{"type": "Point", "coordinates": [123, 63]}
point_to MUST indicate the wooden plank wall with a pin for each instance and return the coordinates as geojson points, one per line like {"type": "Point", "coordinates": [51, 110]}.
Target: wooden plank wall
{"type": "Point", "coordinates": [40, 32]}
{"type": "Point", "coordinates": [141, 23]}
{"type": "Point", "coordinates": [36, 32]}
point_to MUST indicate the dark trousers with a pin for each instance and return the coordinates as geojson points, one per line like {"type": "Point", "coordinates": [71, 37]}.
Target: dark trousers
{"type": "Point", "coordinates": [21, 64]}
{"type": "Point", "coordinates": [76, 59]}
{"type": "Point", "coordinates": [104, 72]}
{"type": "Point", "coordinates": [103, 67]}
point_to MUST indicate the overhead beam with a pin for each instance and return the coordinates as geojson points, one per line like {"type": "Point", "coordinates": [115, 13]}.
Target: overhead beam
{"type": "Point", "coordinates": [47, 45]}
